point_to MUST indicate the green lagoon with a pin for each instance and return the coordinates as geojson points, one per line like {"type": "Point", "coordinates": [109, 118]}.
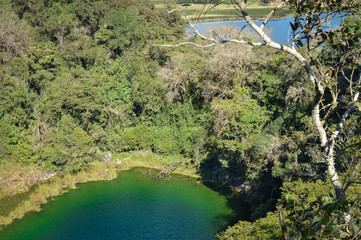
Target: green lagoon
{"type": "Point", "coordinates": [136, 205]}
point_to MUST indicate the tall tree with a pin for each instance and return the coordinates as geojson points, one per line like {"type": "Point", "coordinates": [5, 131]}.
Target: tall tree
{"type": "Point", "coordinates": [308, 30]}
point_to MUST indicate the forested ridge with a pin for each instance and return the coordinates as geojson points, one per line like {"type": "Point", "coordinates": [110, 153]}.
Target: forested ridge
{"type": "Point", "coordinates": [83, 78]}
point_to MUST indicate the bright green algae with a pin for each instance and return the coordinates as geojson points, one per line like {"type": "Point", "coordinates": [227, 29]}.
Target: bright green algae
{"type": "Point", "coordinates": [136, 205]}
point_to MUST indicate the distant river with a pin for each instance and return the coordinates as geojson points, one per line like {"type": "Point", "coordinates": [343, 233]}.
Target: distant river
{"type": "Point", "coordinates": [136, 205]}
{"type": "Point", "coordinates": [281, 29]}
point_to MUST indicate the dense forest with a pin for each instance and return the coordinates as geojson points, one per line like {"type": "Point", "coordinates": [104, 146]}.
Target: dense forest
{"type": "Point", "coordinates": [81, 78]}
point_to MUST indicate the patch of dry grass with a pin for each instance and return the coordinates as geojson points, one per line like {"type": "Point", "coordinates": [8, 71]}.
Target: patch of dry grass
{"type": "Point", "coordinates": [54, 187]}
{"type": "Point", "coordinates": [16, 177]}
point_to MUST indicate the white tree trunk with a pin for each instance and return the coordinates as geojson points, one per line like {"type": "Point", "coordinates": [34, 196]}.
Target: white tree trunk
{"type": "Point", "coordinates": [326, 143]}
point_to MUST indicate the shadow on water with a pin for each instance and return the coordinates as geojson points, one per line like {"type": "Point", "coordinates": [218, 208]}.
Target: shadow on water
{"type": "Point", "coordinates": [235, 201]}
{"type": "Point", "coordinates": [260, 196]}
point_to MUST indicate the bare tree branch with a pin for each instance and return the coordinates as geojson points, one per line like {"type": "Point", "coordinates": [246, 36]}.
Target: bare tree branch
{"type": "Point", "coordinates": [344, 117]}
{"type": "Point", "coordinates": [210, 39]}
{"type": "Point", "coordinates": [173, 10]}
{"type": "Point", "coordinates": [357, 236]}
{"type": "Point", "coordinates": [350, 180]}
{"type": "Point", "coordinates": [327, 143]}
{"type": "Point", "coordinates": [266, 20]}
{"type": "Point", "coordinates": [185, 43]}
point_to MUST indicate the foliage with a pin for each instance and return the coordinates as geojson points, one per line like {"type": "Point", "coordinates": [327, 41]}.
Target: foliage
{"type": "Point", "coordinates": [310, 16]}
{"type": "Point", "coordinates": [68, 147]}
{"type": "Point", "coordinates": [15, 34]}
{"type": "Point", "coordinates": [312, 212]}
{"type": "Point", "coordinates": [315, 213]}
{"type": "Point", "coordinates": [325, 219]}
{"type": "Point", "coordinates": [236, 120]}
{"type": "Point", "coordinates": [124, 30]}
{"type": "Point", "coordinates": [64, 99]}
{"type": "Point", "coordinates": [79, 78]}
{"type": "Point", "coordinates": [263, 228]}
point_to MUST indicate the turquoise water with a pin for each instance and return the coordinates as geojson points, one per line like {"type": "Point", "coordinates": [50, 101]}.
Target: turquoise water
{"type": "Point", "coordinates": [136, 205]}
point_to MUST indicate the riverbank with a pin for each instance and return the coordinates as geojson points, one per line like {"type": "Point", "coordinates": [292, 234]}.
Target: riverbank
{"type": "Point", "coordinates": [234, 14]}
{"type": "Point", "coordinates": [227, 11]}
{"type": "Point", "coordinates": [16, 206]}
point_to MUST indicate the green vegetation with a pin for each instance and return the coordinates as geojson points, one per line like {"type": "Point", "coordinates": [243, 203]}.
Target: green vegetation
{"type": "Point", "coordinates": [311, 212]}
{"type": "Point", "coordinates": [83, 85]}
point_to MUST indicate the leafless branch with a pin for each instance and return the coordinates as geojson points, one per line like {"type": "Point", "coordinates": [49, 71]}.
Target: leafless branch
{"type": "Point", "coordinates": [349, 79]}
{"type": "Point", "coordinates": [357, 235]}
{"type": "Point", "coordinates": [297, 36]}
{"type": "Point", "coordinates": [350, 180]}
{"type": "Point", "coordinates": [214, 42]}
{"type": "Point", "coordinates": [266, 20]}
{"type": "Point", "coordinates": [185, 43]}
{"type": "Point", "coordinates": [173, 10]}
{"type": "Point", "coordinates": [328, 143]}
{"type": "Point", "coordinates": [210, 39]}
{"type": "Point", "coordinates": [344, 117]}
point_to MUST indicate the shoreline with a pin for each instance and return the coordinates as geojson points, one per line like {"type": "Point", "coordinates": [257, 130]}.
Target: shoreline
{"type": "Point", "coordinates": [227, 11]}
{"type": "Point", "coordinates": [235, 18]}
{"type": "Point", "coordinates": [46, 190]}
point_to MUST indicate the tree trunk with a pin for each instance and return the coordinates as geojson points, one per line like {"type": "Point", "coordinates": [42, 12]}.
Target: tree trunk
{"type": "Point", "coordinates": [286, 236]}
{"type": "Point", "coordinates": [340, 193]}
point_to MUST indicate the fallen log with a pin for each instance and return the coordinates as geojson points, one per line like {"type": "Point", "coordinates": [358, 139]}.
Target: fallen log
{"type": "Point", "coordinates": [169, 168]}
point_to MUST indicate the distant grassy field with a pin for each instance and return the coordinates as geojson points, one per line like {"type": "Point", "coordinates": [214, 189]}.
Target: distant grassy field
{"type": "Point", "coordinates": [253, 12]}
{"type": "Point", "coordinates": [226, 10]}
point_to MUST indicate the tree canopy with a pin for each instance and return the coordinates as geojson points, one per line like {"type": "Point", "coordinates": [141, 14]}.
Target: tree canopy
{"type": "Point", "coordinates": [278, 123]}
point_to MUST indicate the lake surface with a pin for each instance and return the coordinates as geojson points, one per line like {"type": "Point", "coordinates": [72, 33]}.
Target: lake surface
{"type": "Point", "coordinates": [281, 30]}
{"type": "Point", "coordinates": [136, 205]}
